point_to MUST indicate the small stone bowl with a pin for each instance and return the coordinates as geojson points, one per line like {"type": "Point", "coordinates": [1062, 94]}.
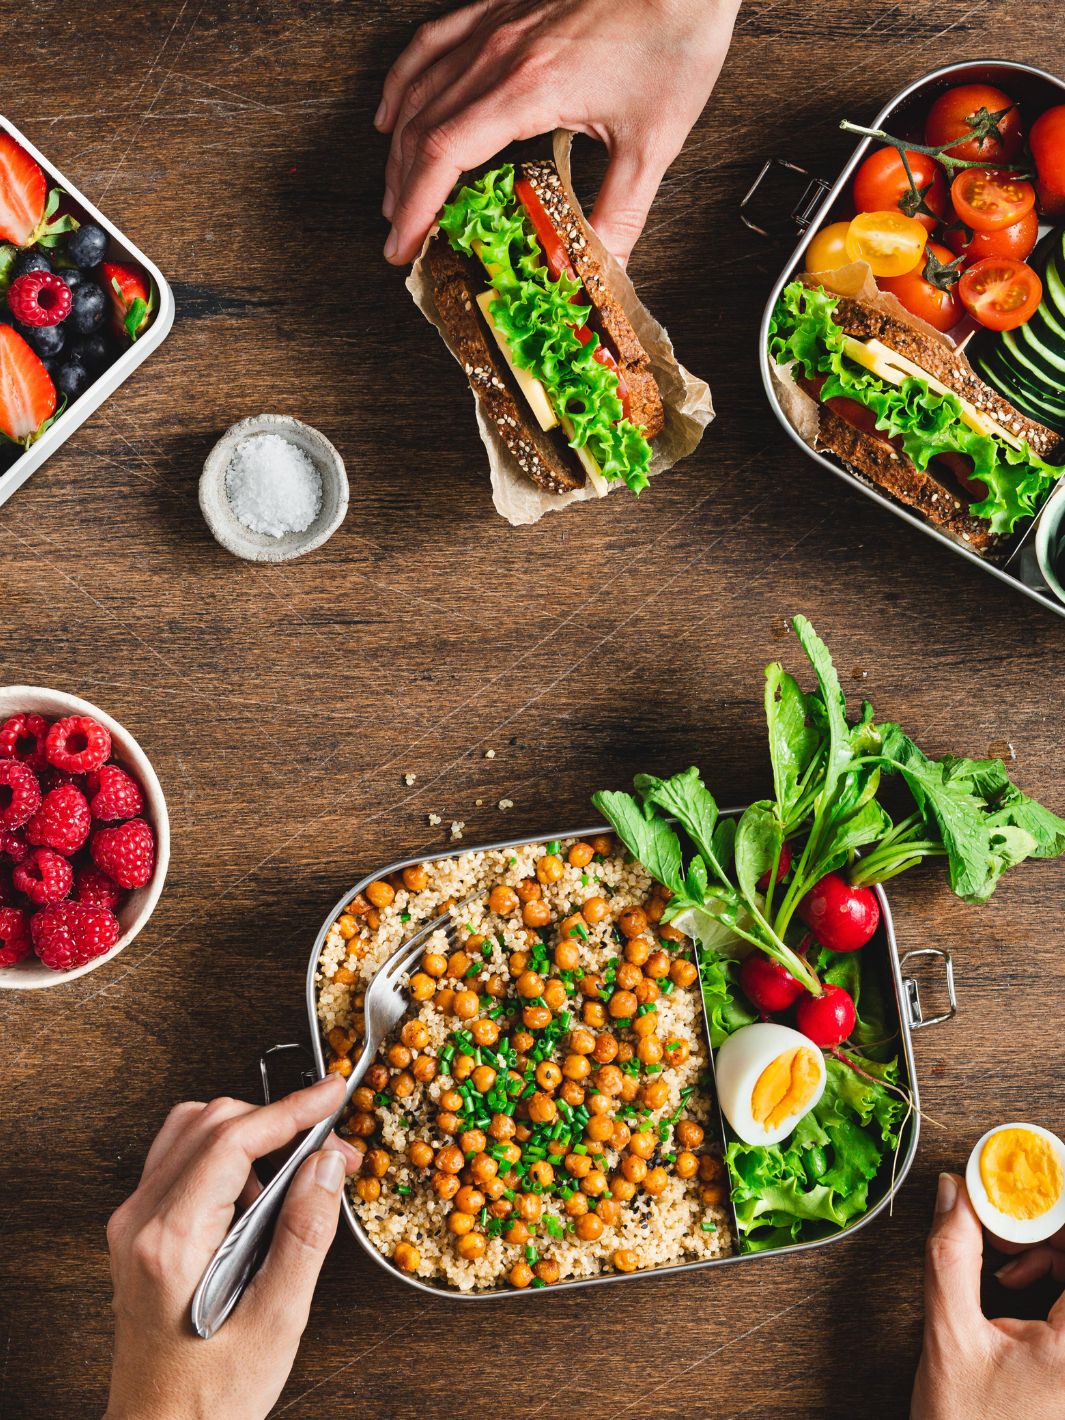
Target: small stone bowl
{"type": "Point", "coordinates": [260, 547]}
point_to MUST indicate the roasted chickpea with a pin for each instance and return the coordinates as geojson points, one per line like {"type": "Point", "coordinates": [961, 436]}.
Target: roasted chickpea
{"type": "Point", "coordinates": [548, 1075]}
{"type": "Point", "coordinates": [642, 1144]}
{"type": "Point", "coordinates": [542, 1172]}
{"type": "Point", "coordinates": [594, 1183]}
{"type": "Point", "coordinates": [605, 1048]}
{"type": "Point", "coordinates": [373, 919]}
{"type": "Point", "coordinates": [424, 1069]}
{"type": "Point", "coordinates": [406, 1257]}
{"type": "Point", "coordinates": [549, 869]}
{"type": "Point", "coordinates": [656, 1181]}
{"type": "Point", "coordinates": [576, 1067]}
{"type": "Point", "coordinates": [576, 1205]}
{"type": "Point", "coordinates": [712, 1194]}
{"type": "Point", "coordinates": [542, 1108]}
{"type": "Point", "coordinates": [628, 977]}
{"type": "Point", "coordinates": [622, 1189]}
{"type": "Point", "coordinates": [609, 1209]}
{"type": "Point", "coordinates": [469, 1199]}
{"type": "Point", "coordinates": [422, 987]}
{"type": "Point", "coordinates": [637, 950]}
{"type": "Point", "coordinates": [590, 984]}
{"type": "Point", "coordinates": [347, 926]}
{"type": "Point", "coordinates": [686, 1164]}
{"type": "Point", "coordinates": [415, 878]}
{"type": "Point", "coordinates": [449, 1159]}
{"type": "Point", "coordinates": [603, 844]}
{"type": "Point", "coordinates": [529, 890]}
{"type": "Point", "coordinates": [381, 894]}
{"type": "Point", "coordinates": [579, 1165]}
{"type": "Point", "coordinates": [377, 1162]}
{"type": "Point", "coordinates": [572, 1093]}
{"type": "Point", "coordinates": [483, 1077]}
{"type": "Point", "coordinates": [655, 909]}
{"type": "Point", "coordinates": [520, 1275]}
{"type": "Point", "coordinates": [445, 999]}
{"type": "Point", "coordinates": [341, 1040]}
{"type": "Point", "coordinates": [547, 1270]}
{"type": "Point", "coordinates": [593, 1013]}
{"type": "Point", "coordinates": [647, 991]}
{"type": "Point", "coordinates": [622, 1005]}
{"type": "Point", "coordinates": [434, 964]}
{"type": "Point", "coordinates": [517, 962]}
{"type": "Point", "coordinates": [398, 1056]}
{"type": "Point", "coordinates": [649, 1051]}
{"type": "Point", "coordinates": [590, 1227]}
{"type": "Point", "coordinates": [466, 1005]}
{"type": "Point", "coordinates": [516, 1232]}
{"type": "Point", "coordinates": [363, 1098]}
{"type": "Point", "coordinates": [536, 913]}
{"type": "Point", "coordinates": [626, 1260]}
{"type": "Point", "coordinates": [634, 1168]}
{"type": "Point", "coordinates": [620, 1135]}
{"type": "Point", "coordinates": [555, 994]}
{"type": "Point", "coordinates": [340, 1066]}
{"type": "Point", "coordinates": [445, 1185]}
{"type": "Point", "coordinates": [458, 964]}
{"type": "Point", "coordinates": [625, 1052]}
{"type": "Point", "coordinates": [594, 910]}
{"type": "Point", "coordinates": [609, 1080]}
{"type": "Point", "coordinates": [362, 1124]}
{"type": "Point", "coordinates": [657, 965]}
{"type": "Point", "coordinates": [377, 1077]}
{"type": "Point", "coordinates": [599, 1128]}
{"type": "Point", "coordinates": [677, 1051]}
{"type": "Point", "coordinates": [368, 1188]}
{"type": "Point", "coordinates": [630, 1088]}
{"type": "Point", "coordinates": [632, 922]}
{"type": "Point", "coordinates": [683, 973]}
{"type": "Point", "coordinates": [581, 1042]}
{"type": "Point", "coordinates": [459, 1223]}
{"type": "Point", "coordinates": [471, 1246]}
{"type": "Point", "coordinates": [522, 1041]}
{"type": "Point", "coordinates": [690, 1134]}
{"type": "Point", "coordinates": [472, 1141]}
{"type": "Point", "coordinates": [580, 855]}
{"type": "Point", "coordinates": [420, 1153]}
{"type": "Point", "coordinates": [484, 1169]}
{"type": "Point", "coordinates": [462, 1067]}
{"type": "Point", "coordinates": [503, 900]}
{"type": "Point", "coordinates": [501, 1127]}
{"type": "Point", "coordinates": [567, 956]}
{"type": "Point", "coordinates": [529, 1205]}
{"type": "Point", "coordinates": [415, 1035]}
{"type": "Point", "coordinates": [536, 1017]}
{"type": "Point", "coordinates": [510, 1154]}
{"type": "Point", "coordinates": [710, 1168]}
{"type": "Point", "coordinates": [655, 1093]}
{"type": "Point", "coordinates": [484, 1031]}
{"type": "Point", "coordinates": [600, 1104]}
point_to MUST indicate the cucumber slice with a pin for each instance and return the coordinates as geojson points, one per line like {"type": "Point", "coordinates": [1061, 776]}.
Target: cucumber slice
{"type": "Point", "coordinates": [1022, 399]}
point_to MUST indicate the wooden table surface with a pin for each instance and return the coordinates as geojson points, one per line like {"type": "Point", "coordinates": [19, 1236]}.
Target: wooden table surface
{"type": "Point", "coordinates": [283, 706]}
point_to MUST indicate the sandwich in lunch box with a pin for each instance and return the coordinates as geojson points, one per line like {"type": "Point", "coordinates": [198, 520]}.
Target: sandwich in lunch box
{"type": "Point", "coordinates": [550, 352]}
{"type": "Point", "coordinates": [907, 413]}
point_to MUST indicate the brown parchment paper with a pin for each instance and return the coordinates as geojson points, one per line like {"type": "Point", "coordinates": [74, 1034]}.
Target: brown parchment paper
{"type": "Point", "coordinates": [855, 280]}
{"type": "Point", "coordinates": [686, 399]}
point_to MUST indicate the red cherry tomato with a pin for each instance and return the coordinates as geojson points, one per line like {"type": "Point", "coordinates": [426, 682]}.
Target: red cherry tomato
{"type": "Point", "coordinates": [783, 868]}
{"type": "Point", "coordinates": [881, 184]}
{"type": "Point", "coordinates": [987, 200]}
{"type": "Point", "coordinates": [770, 987]}
{"type": "Point", "coordinates": [1047, 142]}
{"type": "Point", "coordinates": [1017, 241]}
{"type": "Point", "coordinates": [921, 297]}
{"type": "Point", "coordinates": [554, 252]}
{"type": "Point", "coordinates": [827, 1019]}
{"type": "Point", "coordinates": [952, 114]}
{"type": "Point", "coordinates": [841, 917]}
{"type": "Point", "coordinates": [999, 293]}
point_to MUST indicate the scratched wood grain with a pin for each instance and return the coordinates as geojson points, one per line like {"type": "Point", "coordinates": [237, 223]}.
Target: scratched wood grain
{"type": "Point", "coordinates": [283, 706]}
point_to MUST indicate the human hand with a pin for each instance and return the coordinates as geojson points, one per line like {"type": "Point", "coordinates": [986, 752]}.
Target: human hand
{"type": "Point", "coordinates": [633, 73]}
{"type": "Point", "coordinates": [970, 1367]}
{"type": "Point", "coordinates": [161, 1239]}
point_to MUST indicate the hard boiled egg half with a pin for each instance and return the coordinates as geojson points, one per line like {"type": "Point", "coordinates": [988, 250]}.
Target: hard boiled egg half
{"type": "Point", "coordinates": [1016, 1180]}
{"type": "Point", "coordinates": [768, 1077]}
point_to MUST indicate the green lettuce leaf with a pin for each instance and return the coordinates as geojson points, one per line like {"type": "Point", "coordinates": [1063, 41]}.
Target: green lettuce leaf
{"type": "Point", "coordinates": [537, 315]}
{"type": "Point", "coordinates": [802, 329]}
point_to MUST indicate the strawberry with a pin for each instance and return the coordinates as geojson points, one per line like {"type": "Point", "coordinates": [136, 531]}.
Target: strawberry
{"type": "Point", "coordinates": [27, 395]}
{"type": "Point", "coordinates": [132, 300]}
{"type": "Point", "coordinates": [26, 206]}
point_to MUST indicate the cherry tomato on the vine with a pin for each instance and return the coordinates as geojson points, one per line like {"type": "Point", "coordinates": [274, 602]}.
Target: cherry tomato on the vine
{"type": "Point", "coordinates": [932, 303]}
{"type": "Point", "coordinates": [881, 184]}
{"type": "Point", "coordinates": [954, 114]}
{"type": "Point", "coordinates": [1017, 241]}
{"type": "Point", "coordinates": [828, 248]}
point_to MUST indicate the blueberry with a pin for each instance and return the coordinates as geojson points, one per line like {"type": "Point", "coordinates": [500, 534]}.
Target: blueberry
{"type": "Point", "coordinates": [94, 351]}
{"type": "Point", "coordinates": [71, 378]}
{"type": "Point", "coordinates": [87, 246]}
{"type": "Point", "coordinates": [44, 340]}
{"type": "Point", "coordinates": [88, 309]}
{"type": "Point", "coordinates": [72, 276]}
{"type": "Point", "coordinates": [31, 260]}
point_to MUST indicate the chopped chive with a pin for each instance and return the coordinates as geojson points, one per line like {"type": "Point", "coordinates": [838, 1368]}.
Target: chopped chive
{"type": "Point", "coordinates": [554, 846]}
{"type": "Point", "coordinates": [709, 1227]}
{"type": "Point", "coordinates": [404, 916]}
{"type": "Point", "coordinates": [530, 1253]}
{"type": "Point", "coordinates": [538, 1282]}
{"type": "Point", "coordinates": [404, 1189]}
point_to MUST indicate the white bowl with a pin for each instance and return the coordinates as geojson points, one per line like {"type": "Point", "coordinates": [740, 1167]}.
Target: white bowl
{"type": "Point", "coordinates": [261, 547]}
{"type": "Point", "coordinates": [31, 974]}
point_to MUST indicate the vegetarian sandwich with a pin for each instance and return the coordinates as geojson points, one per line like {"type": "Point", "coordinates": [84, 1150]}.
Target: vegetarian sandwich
{"type": "Point", "coordinates": [550, 353]}
{"type": "Point", "coordinates": [911, 416]}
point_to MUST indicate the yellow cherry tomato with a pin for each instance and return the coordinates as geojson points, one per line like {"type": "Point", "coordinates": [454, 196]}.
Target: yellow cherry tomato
{"type": "Point", "coordinates": [890, 242]}
{"type": "Point", "coordinates": [828, 249]}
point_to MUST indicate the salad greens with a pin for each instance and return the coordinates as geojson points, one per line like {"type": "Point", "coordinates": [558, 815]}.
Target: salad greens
{"type": "Point", "coordinates": [536, 314]}
{"type": "Point", "coordinates": [724, 877]}
{"type": "Point", "coordinates": [803, 331]}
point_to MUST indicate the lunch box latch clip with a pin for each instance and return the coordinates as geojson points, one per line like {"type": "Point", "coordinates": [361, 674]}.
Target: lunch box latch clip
{"type": "Point", "coordinates": [918, 1019]}
{"type": "Point", "coordinates": [306, 1076]}
{"type": "Point", "coordinates": [802, 213]}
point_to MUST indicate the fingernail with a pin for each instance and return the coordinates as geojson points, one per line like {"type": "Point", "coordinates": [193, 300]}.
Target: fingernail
{"type": "Point", "coordinates": [1005, 1270]}
{"type": "Point", "coordinates": [391, 246]}
{"type": "Point", "coordinates": [381, 114]}
{"type": "Point", "coordinates": [388, 206]}
{"type": "Point", "coordinates": [326, 1082]}
{"type": "Point", "coordinates": [947, 1193]}
{"type": "Point", "coordinates": [330, 1170]}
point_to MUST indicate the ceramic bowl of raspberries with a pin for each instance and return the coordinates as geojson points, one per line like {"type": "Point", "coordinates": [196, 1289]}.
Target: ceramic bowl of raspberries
{"type": "Point", "coordinates": [84, 837]}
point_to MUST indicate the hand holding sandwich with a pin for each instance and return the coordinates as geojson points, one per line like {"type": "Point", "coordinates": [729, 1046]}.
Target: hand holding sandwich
{"type": "Point", "coordinates": [633, 73]}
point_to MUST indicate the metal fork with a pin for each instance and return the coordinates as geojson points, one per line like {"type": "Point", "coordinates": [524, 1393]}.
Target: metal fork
{"type": "Point", "coordinates": [243, 1247]}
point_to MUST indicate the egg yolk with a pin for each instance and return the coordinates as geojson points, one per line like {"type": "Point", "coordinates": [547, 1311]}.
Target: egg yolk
{"type": "Point", "coordinates": [1021, 1172]}
{"type": "Point", "coordinates": [785, 1087]}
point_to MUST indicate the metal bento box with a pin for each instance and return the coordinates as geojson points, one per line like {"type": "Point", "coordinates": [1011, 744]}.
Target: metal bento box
{"type": "Point", "coordinates": [822, 201]}
{"type": "Point", "coordinates": [106, 381]}
{"type": "Point", "coordinates": [904, 1011]}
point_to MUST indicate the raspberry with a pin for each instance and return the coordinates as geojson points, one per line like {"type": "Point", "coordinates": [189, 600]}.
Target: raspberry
{"type": "Point", "coordinates": [50, 778]}
{"type": "Point", "coordinates": [14, 936]}
{"type": "Point", "coordinates": [113, 794]}
{"type": "Point", "coordinates": [44, 877]}
{"type": "Point", "coordinates": [68, 934]}
{"type": "Point", "coordinates": [77, 744]}
{"type": "Point", "coordinates": [125, 853]}
{"type": "Point", "coordinates": [62, 822]}
{"type": "Point", "coordinates": [13, 846]}
{"type": "Point", "coordinates": [39, 298]}
{"type": "Point", "coordinates": [22, 738]}
{"type": "Point", "coordinates": [96, 888]}
{"type": "Point", "coordinates": [20, 794]}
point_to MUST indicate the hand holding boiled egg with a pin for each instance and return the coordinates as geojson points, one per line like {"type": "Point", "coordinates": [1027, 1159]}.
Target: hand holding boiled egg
{"type": "Point", "coordinates": [1016, 1183]}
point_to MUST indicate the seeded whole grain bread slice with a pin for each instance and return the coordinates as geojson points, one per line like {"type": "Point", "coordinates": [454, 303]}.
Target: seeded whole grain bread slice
{"type": "Point", "coordinates": [538, 455]}
{"type": "Point", "coordinates": [645, 400]}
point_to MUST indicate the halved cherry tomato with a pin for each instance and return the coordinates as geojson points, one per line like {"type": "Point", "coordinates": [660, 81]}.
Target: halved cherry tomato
{"type": "Point", "coordinates": [584, 333]}
{"type": "Point", "coordinates": [940, 308]}
{"type": "Point", "coordinates": [828, 248]}
{"type": "Point", "coordinates": [953, 116]}
{"type": "Point", "coordinates": [881, 185]}
{"type": "Point", "coordinates": [555, 254]}
{"type": "Point", "coordinates": [987, 200]}
{"type": "Point", "coordinates": [1017, 241]}
{"type": "Point", "coordinates": [890, 242]}
{"type": "Point", "coordinates": [1047, 142]}
{"type": "Point", "coordinates": [999, 293]}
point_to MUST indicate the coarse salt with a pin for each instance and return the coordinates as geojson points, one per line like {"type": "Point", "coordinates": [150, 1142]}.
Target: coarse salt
{"type": "Point", "coordinates": [272, 486]}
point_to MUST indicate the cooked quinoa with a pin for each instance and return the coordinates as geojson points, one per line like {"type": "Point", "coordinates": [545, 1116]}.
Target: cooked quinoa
{"type": "Point", "coordinates": [543, 1111]}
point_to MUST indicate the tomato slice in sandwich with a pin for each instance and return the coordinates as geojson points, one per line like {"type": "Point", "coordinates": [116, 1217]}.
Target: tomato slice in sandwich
{"type": "Point", "coordinates": [550, 242]}
{"type": "Point", "coordinates": [604, 357]}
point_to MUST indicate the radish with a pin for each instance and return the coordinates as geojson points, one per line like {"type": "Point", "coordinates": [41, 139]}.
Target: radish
{"type": "Point", "coordinates": [841, 917]}
{"type": "Point", "coordinates": [827, 1019]}
{"type": "Point", "coordinates": [770, 987]}
{"type": "Point", "coordinates": [783, 869]}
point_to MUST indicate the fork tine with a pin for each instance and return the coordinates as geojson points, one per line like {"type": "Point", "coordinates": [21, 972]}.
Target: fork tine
{"type": "Point", "coordinates": [404, 954]}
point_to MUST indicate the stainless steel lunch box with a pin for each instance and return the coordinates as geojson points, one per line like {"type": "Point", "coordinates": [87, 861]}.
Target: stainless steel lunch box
{"type": "Point", "coordinates": [908, 1011]}
{"type": "Point", "coordinates": [109, 380]}
{"type": "Point", "coordinates": [822, 202]}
